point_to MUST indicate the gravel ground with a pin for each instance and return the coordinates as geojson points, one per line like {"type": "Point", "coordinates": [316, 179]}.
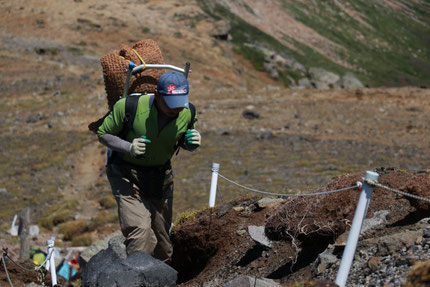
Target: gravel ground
{"type": "Point", "coordinates": [390, 270]}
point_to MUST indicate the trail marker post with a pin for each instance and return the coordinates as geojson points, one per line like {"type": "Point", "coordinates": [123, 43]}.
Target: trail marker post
{"type": "Point", "coordinates": [354, 233]}
{"type": "Point", "coordinates": [50, 264]}
{"type": "Point", "coordinates": [214, 182]}
{"type": "Point", "coordinates": [24, 231]}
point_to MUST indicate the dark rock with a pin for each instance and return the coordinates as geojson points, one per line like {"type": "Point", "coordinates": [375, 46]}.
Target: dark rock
{"type": "Point", "coordinates": [56, 93]}
{"type": "Point", "coordinates": [413, 109]}
{"type": "Point", "coordinates": [31, 119]}
{"type": "Point", "coordinates": [250, 114]}
{"type": "Point", "coordinates": [109, 268]}
{"type": "Point", "coordinates": [98, 246]}
{"type": "Point", "coordinates": [36, 117]}
{"type": "Point", "coordinates": [265, 135]}
{"type": "Point", "coordinates": [222, 132]}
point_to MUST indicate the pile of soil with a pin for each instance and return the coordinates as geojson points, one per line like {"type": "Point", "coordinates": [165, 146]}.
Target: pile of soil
{"type": "Point", "coordinates": [216, 246]}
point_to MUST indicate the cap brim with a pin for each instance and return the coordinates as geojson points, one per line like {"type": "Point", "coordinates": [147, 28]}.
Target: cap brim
{"type": "Point", "coordinates": [176, 101]}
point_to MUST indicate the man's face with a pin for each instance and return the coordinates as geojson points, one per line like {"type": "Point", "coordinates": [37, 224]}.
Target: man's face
{"type": "Point", "coordinates": [165, 108]}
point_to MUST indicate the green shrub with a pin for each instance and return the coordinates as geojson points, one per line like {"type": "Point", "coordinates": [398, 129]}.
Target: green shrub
{"type": "Point", "coordinates": [55, 219]}
{"type": "Point", "coordinates": [72, 229]}
{"type": "Point", "coordinates": [102, 218]}
{"type": "Point", "coordinates": [107, 202]}
{"type": "Point", "coordinates": [82, 240]}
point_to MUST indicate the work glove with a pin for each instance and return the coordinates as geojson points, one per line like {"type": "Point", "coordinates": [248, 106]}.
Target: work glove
{"type": "Point", "coordinates": [192, 140]}
{"type": "Point", "coordinates": [138, 146]}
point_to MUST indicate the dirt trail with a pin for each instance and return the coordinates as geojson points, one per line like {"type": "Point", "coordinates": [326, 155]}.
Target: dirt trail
{"type": "Point", "coordinates": [86, 170]}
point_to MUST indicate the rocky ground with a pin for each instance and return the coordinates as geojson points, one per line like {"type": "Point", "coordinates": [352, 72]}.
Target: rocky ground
{"type": "Point", "coordinates": [308, 237]}
{"type": "Point", "coordinates": [216, 247]}
{"type": "Point", "coordinates": [264, 135]}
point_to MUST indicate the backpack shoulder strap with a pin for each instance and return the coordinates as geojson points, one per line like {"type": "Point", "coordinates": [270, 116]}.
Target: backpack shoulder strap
{"type": "Point", "coordinates": [190, 126]}
{"type": "Point", "coordinates": [193, 116]}
{"type": "Point", "coordinates": [131, 103]}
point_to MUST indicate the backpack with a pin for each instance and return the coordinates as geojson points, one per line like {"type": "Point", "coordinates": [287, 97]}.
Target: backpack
{"type": "Point", "coordinates": [131, 102]}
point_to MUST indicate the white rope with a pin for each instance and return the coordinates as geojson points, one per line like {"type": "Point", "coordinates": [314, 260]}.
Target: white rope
{"type": "Point", "coordinates": [5, 269]}
{"type": "Point", "coordinates": [287, 195]}
{"type": "Point", "coordinates": [375, 183]}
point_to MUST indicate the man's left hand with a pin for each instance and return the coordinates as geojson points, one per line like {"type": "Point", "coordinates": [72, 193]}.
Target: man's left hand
{"type": "Point", "coordinates": [192, 140]}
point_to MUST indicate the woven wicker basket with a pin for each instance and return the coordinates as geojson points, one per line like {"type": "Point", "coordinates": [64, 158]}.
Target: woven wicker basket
{"type": "Point", "coordinates": [115, 66]}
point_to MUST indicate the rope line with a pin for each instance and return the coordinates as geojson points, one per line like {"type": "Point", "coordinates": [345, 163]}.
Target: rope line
{"type": "Point", "coordinates": [287, 195]}
{"type": "Point", "coordinates": [40, 274]}
{"type": "Point", "coordinates": [375, 183]}
{"type": "Point", "coordinates": [20, 266]}
{"type": "Point", "coordinates": [140, 58]}
{"type": "Point", "coordinates": [5, 269]}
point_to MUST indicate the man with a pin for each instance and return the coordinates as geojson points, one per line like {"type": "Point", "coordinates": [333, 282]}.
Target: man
{"type": "Point", "coordinates": [140, 174]}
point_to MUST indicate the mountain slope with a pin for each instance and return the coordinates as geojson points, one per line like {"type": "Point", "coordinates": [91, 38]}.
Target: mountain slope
{"type": "Point", "coordinates": [51, 88]}
{"type": "Point", "coordinates": [382, 42]}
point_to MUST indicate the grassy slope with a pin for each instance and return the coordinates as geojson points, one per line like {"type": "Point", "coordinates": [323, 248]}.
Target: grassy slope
{"type": "Point", "coordinates": [403, 60]}
{"type": "Point", "coordinates": [394, 52]}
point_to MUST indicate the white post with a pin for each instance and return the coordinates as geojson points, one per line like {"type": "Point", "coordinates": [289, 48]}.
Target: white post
{"type": "Point", "coordinates": [51, 264]}
{"type": "Point", "coordinates": [354, 233]}
{"type": "Point", "coordinates": [212, 195]}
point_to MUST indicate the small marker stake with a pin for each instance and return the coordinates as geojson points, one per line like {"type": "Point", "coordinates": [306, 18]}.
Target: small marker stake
{"type": "Point", "coordinates": [50, 265]}
{"type": "Point", "coordinates": [214, 182]}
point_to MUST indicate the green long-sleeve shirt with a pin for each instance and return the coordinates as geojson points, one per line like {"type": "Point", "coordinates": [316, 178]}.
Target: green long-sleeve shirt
{"type": "Point", "coordinates": [163, 142]}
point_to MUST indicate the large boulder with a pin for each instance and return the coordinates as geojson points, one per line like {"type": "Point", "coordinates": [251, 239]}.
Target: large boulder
{"type": "Point", "coordinates": [322, 79]}
{"type": "Point", "coordinates": [96, 247]}
{"type": "Point", "coordinates": [349, 81]}
{"type": "Point", "coordinates": [304, 83]}
{"type": "Point", "coordinates": [221, 30]}
{"type": "Point", "coordinates": [111, 267]}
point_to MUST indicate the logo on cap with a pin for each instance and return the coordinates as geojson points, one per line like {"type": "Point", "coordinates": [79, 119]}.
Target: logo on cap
{"type": "Point", "coordinates": [171, 88]}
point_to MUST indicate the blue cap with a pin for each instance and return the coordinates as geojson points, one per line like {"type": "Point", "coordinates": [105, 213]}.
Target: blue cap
{"type": "Point", "coordinates": [173, 86]}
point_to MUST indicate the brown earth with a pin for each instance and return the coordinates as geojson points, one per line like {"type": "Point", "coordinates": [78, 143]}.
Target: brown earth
{"type": "Point", "coordinates": [50, 48]}
{"type": "Point", "coordinates": [216, 246]}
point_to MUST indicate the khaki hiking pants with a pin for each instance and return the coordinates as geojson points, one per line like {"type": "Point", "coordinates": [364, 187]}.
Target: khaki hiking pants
{"type": "Point", "coordinates": [144, 198]}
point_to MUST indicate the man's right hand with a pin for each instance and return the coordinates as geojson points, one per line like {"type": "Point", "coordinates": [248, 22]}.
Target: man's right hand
{"type": "Point", "coordinates": [138, 147]}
